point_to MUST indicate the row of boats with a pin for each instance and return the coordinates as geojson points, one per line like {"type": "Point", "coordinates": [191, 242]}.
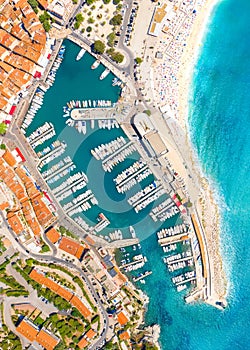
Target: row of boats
{"type": "Point", "coordinates": [47, 149]}
{"type": "Point", "coordinates": [135, 266]}
{"type": "Point", "coordinates": [104, 150]}
{"type": "Point", "coordinates": [117, 234]}
{"type": "Point", "coordinates": [80, 125]}
{"type": "Point", "coordinates": [52, 154]}
{"type": "Point", "coordinates": [73, 104]}
{"type": "Point", "coordinates": [165, 210]}
{"type": "Point", "coordinates": [82, 202]}
{"type": "Point", "coordinates": [172, 231]}
{"type": "Point", "coordinates": [142, 193]}
{"type": "Point", "coordinates": [37, 100]}
{"type": "Point", "coordinates": [95, 65]}
{"type": "Point", "coordinates": [121, 177]}
{"type": "Point", "coordinates": [179, 258]}
{"type": "Point", "coordinates": [70, 182]}
{"type": "Point", "coordinates": [144, 197]}
{"type": "Point", "coordinates": [107, 124]}
{"type": "Point", "coordinates": [133, 180]}
{"type": "Point", "coordinates": [153, 197]}
{"type": "Point", "coordinates": [118, 157]}
{"type": "Point", "coordinates": [103, 222]}
{"type": "Point", "coordinates": [41, 135]}
{"type": "Point", "coordinates": [35, 105]}
{"type": "Point", "coordinates": [65, 171]}
{"type": "Point", "coordinates": [55, 167]}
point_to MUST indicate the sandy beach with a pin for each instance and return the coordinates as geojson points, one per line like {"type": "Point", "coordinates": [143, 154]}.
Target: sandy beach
{"type": "Point", "coordinates": [207, 207]}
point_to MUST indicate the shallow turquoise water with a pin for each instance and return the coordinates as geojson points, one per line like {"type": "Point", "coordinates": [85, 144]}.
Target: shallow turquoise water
{"type": "Point", "coordinates": [220, 122]}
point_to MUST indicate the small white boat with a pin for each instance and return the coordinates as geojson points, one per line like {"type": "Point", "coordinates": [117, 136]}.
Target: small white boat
{"type": "Point", "coordinates": [80, 54]}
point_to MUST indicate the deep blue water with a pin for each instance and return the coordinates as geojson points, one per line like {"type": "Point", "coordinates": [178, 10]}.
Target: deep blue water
{"type": "Point", "coordinates": [219, 120]}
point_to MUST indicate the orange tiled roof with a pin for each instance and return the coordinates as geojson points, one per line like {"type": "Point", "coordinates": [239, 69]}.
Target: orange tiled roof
{"type": "Point", "coordinates": [90, 334]}
{"type": "Point", "coordinates": [75, 301]}
{"type": "Point", "coordinates": [53, 235]}
{"type": "Point", "coordinates": [51, 284]}
{"type": "Point", "coordinates": [122, 319]}
{"type": "Point", "coordinates": [37, 276]}
{"type": "Point", "coordinates": [27, 330]}
{"type": "Point", "coordinates": [71, 247]}
{"type": "Point", "coordinates": [22, 44]}
{"type": "Point", "coordinates": [43, 3]}
{"type": "Point", "coordinates": [64, 293]}
{"type": "Point", "coordinates": [15, 222]}
{"type": "Point", "coordinates": [4, 205]}
{"type": "Point", "coordinates": [9, 158]}
{"type": "Point", "coordinates": [124, 336]}
{"type": "Point", "coordinates": [48, 341]}
{"type": "Point", "coordinates": [82, 343]}
{"type": "Point", "coordinates": [68, 245]}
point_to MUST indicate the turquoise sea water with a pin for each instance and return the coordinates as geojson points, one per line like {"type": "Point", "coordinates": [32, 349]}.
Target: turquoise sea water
{"type": "Point", "coordinates": [219, 121]}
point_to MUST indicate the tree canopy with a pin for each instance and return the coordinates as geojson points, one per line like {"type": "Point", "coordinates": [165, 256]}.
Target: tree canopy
{"type": "Point", "coordinates": [3, 128]}
{"type": "Point", "coordinates": [116, 20]}
{"type": "Point", "coordinates": [99, 47]}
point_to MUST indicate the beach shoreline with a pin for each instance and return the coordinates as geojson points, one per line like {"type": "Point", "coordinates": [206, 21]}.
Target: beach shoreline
{"type": "Point", "coordinates": [207, 207]}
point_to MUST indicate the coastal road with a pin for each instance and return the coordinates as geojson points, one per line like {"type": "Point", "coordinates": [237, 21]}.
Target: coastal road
{"type": "Point", "coordinates": [129, 53]}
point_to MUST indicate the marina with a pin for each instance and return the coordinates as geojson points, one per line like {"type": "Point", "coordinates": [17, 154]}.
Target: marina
{"type": "Point", "coordinates": [78, 149]}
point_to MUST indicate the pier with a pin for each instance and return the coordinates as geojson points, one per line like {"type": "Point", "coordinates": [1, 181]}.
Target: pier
{"type": "Point", "coordinates": [147, 273]}
{"type": "Point", "coordinates": [40, 136]}
{"type": "Point", "coordinates": [173, 239]}
{"type": "Point", "coordinates": [66, 166]}
{"type": "Point", "coordinates": [179, 260]}
{"type": "Point", "coordinates": [132, 263]}
{"type": "Point", "coordinates": [119, 150]}
{"type": "Point", "coordinates": [60, 192]}
{"type": "Point", "coordinates": [78, 204]}
{"type": "Point", "coordinates": [131, 176]}
{"type": "Point", "coordinates": [185, 281]}
{"type": "Point", "coordinates": [155, 190]}
{"type": "Point", "coordinates": [56, 152]}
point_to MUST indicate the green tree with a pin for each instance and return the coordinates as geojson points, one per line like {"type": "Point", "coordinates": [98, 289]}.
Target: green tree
{"type": "Point", "coordinates": [111, 39]}
{"type": "Point", "coordinates": [46, 26]}
{"type": "Point", "coordinates": [138, 60]}
{"type": "Point", "coordinates": [116, 2]}
{"type": "Point", "coordinates": [116, 20]}
{"type": "Point", "coordinates": [106, 1]}
{"type": "Point", "coordinates": [89, 29]}
{"type": "Point", "coordinates": [33, 4]}
{"type": "Point", "coordinates": [90, 2]}
{"type": "Point", "coordinates": [117, 57]}
{"type": "Point", "coordinates": [44, 17]}
{"type": "Point", "coordinates": [77, 25]}
{"type": "Point", "coordinates": [99, 47]}
{"type": "Point", "coordinates": [3, 128]}
{"type": "Point", "coordinates": [147, 111]}
{"type": "Point", "coordinates": [79, 17]}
